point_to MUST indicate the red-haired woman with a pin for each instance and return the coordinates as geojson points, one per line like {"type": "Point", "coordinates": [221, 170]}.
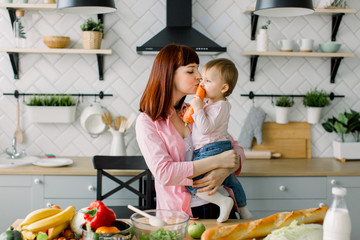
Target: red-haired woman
{"type": "Point", "coordinates": [165, 141]}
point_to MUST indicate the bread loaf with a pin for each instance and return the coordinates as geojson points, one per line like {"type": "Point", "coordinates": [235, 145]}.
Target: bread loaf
{"type": "Point", "coordinates": [262, 227]}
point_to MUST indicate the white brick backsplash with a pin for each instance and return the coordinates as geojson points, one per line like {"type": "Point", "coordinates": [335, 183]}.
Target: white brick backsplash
{"type": "Point", "coordinates": [126, 73]}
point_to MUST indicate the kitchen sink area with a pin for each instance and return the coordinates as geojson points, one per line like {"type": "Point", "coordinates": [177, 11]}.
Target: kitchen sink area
{"type": "Point", "coordinates": [7, 162]}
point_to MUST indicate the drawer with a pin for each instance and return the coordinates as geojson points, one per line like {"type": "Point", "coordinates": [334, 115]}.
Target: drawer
{"type": "Point", "coordinates": [15, 180]}
{"type": "Point", "coordinates": [82, 187]}
{"type": "Point", "coordinates": [343, 181]}
{"type": "Point", "coordinates": [284, 187]}
{"type": "Point", "coordinates": [280, 205]}
{"type": "Point", "coordinates": [84, 202]}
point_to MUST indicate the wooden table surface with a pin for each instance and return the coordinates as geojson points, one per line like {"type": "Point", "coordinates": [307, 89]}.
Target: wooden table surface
{"type": "Point", "coordinates": [209, 223]}
{"type": "Point", "coordinates": [251, 168]}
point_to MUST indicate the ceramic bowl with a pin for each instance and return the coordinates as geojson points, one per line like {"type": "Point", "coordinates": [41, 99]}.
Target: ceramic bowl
{"type": "Point", "coordinates": [90, 119]}
{"type": "Point", "coordinates": [56, 41]}
{"type": "Point", "coordinates": [176, 224]}
{"type": "Point", "coordinates": [329, 47]}
{"type": "Point", "coordinates": [126, 232]}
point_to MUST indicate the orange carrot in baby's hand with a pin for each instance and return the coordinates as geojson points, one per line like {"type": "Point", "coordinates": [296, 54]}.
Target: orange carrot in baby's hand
{"type": "Point", "coordinates": [200, 92]}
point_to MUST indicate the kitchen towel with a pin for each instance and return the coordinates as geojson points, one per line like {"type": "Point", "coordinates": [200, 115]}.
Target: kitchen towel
{"type": "Point", "coordinates": [252, 128]}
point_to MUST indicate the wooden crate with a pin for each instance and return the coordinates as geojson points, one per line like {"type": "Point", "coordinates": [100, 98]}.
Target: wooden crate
{"type": "Point", "coordinates": [292, 140]}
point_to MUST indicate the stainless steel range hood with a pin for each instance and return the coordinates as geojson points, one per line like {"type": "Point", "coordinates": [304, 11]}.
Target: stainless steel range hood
{"type": "Point", "coordinates": [178, 30]}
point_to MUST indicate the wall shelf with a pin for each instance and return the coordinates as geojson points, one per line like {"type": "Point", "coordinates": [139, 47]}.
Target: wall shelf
{"type": "Point", "coordinates": [14, 56]}
{"type": "Point", "coordinates": [29, 6]}
{"type": "Point", "coordinates": [335, 59]}
{"type": "Point", "coordinates": [336, 13]}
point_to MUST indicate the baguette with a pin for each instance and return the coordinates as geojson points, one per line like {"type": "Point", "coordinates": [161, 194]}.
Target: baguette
{"type": "Point", "coordinates": [264, 226]}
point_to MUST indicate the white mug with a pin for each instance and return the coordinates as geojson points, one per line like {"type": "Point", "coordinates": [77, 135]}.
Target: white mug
{"type": "Point", "coordinates": [305, 45]}
{"type": "Point", "coordinates": [286, 45]}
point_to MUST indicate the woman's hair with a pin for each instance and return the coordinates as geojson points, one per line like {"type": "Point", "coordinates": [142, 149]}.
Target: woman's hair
{"type": "Point", "coordinates": [228, 72]}
{"type": "Point", "coordinates": [157, 96]}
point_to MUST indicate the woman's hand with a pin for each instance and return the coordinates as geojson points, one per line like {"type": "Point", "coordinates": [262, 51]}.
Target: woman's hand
{"type": "Point", "coordinates": [212, 180]}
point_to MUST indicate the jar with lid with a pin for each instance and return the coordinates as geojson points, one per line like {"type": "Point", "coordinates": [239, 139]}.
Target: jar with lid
{"type": "Point", "coordinates": [19, 29]}
{"type": "Point", "coordinates": [337, 223]}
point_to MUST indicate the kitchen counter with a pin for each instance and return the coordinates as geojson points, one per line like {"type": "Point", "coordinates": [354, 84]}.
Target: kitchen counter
{"type": "Point", "coordinates": [251, 168]}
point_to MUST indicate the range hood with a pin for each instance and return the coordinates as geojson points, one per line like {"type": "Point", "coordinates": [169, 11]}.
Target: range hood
{"type": "Point", "coordinates": [179, 30]}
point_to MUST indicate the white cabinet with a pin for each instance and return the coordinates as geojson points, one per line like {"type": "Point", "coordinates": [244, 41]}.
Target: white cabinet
{"type": "Point", "coordinates": [19, 194]}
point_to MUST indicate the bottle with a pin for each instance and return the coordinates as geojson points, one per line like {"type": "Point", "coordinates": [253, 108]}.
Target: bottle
{"type": "Point", "coordinates": [19, 30]}
{"type": "Point", "coordinates": [337, 223]}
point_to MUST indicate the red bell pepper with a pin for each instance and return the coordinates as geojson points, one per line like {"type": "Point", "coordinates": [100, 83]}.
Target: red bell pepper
{"type": "Point", "coordinates": [97, 214]}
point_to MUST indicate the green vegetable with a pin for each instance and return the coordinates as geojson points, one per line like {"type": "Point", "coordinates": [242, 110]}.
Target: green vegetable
{"type": "Point", "coordinates": [161, 234]}
{"type": "Point", "coordinates": [11, 234]}
{"type": "Point", "coordinates": [42, 236]}
{"type": "Point", "coordinates": [294, 231]}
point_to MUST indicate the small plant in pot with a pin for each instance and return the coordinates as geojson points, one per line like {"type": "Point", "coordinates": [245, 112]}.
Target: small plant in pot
{"type": "Point", "coordinates": [52, 109]}
{"type": "Point", "coordinates": [282, 107]}
{"type": "Point", "coordinates": [92, 34]}
{"type": "Point", "coordinates": [315, 100]}
{"type": "Point", "coordinates": [347, 126]}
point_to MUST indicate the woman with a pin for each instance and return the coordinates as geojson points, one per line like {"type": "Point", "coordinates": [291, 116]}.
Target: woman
{"type": "Point", "coordinates": [165, 141]}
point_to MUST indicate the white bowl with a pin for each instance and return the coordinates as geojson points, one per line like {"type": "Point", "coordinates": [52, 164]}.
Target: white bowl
{"type": "Point", "coordinates": [90, 119]}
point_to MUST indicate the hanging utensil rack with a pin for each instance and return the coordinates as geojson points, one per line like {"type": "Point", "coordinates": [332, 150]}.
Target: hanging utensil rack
{"type": "Point", "coordinates": [252, 95]}
{"type": "Point", "coordinates": [101, 94]}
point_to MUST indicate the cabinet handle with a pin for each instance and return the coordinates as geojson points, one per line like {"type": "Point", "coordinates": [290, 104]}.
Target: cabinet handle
{"type": "Point", "coordinates": [37, 181]}
{"type": "Point", "coordinates": [282, 188]}
{"type": "Point", "coordinates": [321, 204]}
{"type": "Point", "coordinates": [49, 204]}
{"type": "Point", "coordinates": [332, 181]}
{"type": "Point", "coordinates": [91, 188]}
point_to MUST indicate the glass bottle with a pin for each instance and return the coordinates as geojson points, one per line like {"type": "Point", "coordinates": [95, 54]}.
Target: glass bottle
{"type": "Point", "coordinates": [337, 223]}
{"type": "Point", "coordinates": [19, 30]}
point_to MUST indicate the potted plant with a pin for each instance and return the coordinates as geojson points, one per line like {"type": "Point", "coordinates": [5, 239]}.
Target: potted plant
{"type": "Point", "coordinates": [92, 34]}
{"type": "Point", "coordinates": [347, 126]}
{"type": "Point", "coordinates": [282, 107]}
{"type": "Point", "coordinates": [315, 100]}
{"type": "Point", "coordinates": [262, 38]}
{"type": "Point", "coordinates": [52, 109]}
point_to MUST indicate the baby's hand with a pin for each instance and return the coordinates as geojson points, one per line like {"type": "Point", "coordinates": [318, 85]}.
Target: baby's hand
{"type": "Point", "coordinates": [196, 103]}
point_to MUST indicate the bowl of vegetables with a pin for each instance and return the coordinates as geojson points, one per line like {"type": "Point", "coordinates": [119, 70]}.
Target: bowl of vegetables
{"type": "Point", "coordinates": [174, 229]}
{"type": "Point", "coordinates": [120, 230]}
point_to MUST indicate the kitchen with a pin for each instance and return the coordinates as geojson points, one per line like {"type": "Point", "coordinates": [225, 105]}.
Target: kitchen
{"type": "Point", "coordinates": [126, 72]}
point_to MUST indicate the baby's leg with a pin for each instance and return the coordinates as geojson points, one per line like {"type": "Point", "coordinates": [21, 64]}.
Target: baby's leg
{"type": "Point", "coordinates": [225, 203]}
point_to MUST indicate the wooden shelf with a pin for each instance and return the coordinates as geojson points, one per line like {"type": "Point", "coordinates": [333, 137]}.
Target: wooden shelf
{"type": "Point", "coordinates": [29, 6]}
{"type": "Point", "coordinates": [335, 59]}
{"type": "Point", "coordinates": [57, 50]}
{"type": "Point", "coordinates": [298, 54]}
{"type": "Point", "coordinates": [325, 11]}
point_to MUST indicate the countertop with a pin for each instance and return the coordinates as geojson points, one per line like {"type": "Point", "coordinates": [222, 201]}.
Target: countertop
{"type": "Point", "coordinates": [251, 168]}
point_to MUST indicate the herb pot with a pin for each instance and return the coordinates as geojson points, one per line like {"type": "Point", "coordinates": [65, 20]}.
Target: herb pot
{"type": "Point", "coordinates": [91, 39]}
{"type": "Point", "coordinates": [282, 114]}
{"type": "Point", "coordinates": [314, 114]}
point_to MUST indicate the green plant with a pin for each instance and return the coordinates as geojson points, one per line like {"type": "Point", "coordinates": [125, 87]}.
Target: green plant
{"type": "Point", "coordinates": [91, 25]}
{"type": "Point", "coordinates": [348, 122]}
{"type": "Point", "coordinates": [53, 100]}
{"type": "Point", "coordinates": [21, 32]}
{"type": "Point", "coordinates": [316, 98]}
{"type": "Point", "coordinates": [265, 26]}
{"type": "Point", "coordinates": [284, 101]}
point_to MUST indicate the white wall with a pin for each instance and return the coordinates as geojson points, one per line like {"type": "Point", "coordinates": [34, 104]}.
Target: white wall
{"type": "Point", "coordinates": [126, 72]}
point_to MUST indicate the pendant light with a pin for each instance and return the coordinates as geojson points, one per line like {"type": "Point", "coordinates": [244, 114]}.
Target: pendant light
{"type": "Point", "coordinates": [86, 6]}
{"type": "Point", "coordinates": [283, 8]}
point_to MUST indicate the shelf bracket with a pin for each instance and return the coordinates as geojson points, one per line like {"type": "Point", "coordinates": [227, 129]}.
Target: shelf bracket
{"type": "Point", "coordinates": [101, 18]}
{"type": "Point", "coordinates": [14, 60]}
{"type": "Point", "coordinates": [336, 20]}
{"type": "Point", "coordinates": [254, 21]}
{"type": "Point", "coordinates": [335, 63]}
{"type": "Point", "coordinates": [253, 63]}
{"type": "Point", "coordinates": [12, 16]}
{"type": "Point", "coordinates": [100, 60]}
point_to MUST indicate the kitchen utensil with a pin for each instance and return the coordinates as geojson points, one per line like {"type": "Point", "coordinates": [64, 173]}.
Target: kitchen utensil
{"type": "Point", "coordinates": [286, 45]}
{"type": "Point", "coordinates": [18, 133]}
{"type": "Point", "coordinates": [117, 122]}
{"type": "Point", "coordinates": [107, 119]}
{"type": "Point", "coordinates": [154, 221]}
{"type": "Point", "coordinates": [130, 121]}
{"type": "Point", "coordinates": [90, 119]}
{"type": "Point", "coordinates": [56, 41]}
{"type": "Point", "coordinates": [122, 126]}
{"type": "Point", "coordinates": [305, 45]}
{"type": "Point", "coordinates": [329, 47]}
{"type": "Point", "coordinates": [118, 147]}
{"type": "Point", "coordinates": [261, 155]}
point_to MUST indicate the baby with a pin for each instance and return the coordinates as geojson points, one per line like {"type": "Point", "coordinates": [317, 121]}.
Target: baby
{"type": "Point", "coordinates": [209, 132]}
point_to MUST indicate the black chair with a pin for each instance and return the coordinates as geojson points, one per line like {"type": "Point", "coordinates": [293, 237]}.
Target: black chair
{"type": "Point", "coordinates": [145, 191]}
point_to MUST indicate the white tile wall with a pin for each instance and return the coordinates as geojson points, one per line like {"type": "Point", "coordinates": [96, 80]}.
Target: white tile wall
{"type": "Point", "coordinates": [126, 72]}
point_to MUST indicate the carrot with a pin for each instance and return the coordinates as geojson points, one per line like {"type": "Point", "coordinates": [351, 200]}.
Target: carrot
{"type": "Point", "coordinates": [200, 92]}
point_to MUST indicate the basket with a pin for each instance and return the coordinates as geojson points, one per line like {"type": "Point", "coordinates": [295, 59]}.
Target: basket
{"type": "Point", "coordinates": [330, 4]}
{"type": "Point", "coordinates": [49, 1]}
{"type": "Point", "coordinates": [91, 39]}
{"type": "Point", "coordinates": [56, 41]}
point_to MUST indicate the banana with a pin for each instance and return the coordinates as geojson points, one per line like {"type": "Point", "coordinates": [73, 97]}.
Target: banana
{"type": "Point", "coordinates": [55, 231]}
{"type": "Point", "coordinates": [55, 220]}
{"type": "Point", "coordinates": [39, 214]}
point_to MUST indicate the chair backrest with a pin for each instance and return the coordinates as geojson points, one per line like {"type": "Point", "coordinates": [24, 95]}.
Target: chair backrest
{"type": "Point", "coordinates": [145, 192]}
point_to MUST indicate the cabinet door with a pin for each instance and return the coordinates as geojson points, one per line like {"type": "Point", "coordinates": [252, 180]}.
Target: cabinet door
{"type": "Point", "coordinates": [20, 194]}
{"type": "Point", "coordinates": [352, 185]}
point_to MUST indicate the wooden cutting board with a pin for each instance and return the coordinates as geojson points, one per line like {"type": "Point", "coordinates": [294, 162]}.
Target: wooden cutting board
{"type": "Point", "coordinates": [292, 140]}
